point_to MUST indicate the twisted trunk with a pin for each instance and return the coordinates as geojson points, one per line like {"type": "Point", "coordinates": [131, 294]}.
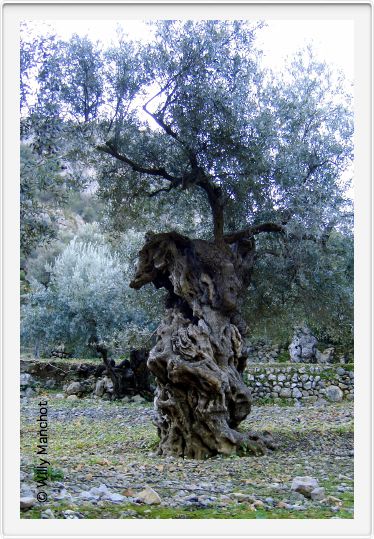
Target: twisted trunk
{"type": "Point", "coordinates": [198, 359]}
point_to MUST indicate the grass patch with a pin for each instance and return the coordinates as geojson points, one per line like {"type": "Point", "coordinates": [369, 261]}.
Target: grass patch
{"type": "Point", "coordinates": [51, 474]}
{"type": "Point", "coordinates": [233, 511]}
{"type": "Point", "coordinates": [279, 401]}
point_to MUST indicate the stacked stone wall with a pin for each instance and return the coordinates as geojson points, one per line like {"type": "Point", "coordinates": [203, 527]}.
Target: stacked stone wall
{"type": "Point", "coordinates": [300, 382]}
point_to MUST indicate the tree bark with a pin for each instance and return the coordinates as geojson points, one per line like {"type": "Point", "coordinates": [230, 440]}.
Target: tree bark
{"type": "Point", "coordinates": [198, 359]}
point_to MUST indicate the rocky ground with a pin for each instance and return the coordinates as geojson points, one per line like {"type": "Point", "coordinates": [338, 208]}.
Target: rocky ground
{"type": "Point", "coordinates": [102, 464]}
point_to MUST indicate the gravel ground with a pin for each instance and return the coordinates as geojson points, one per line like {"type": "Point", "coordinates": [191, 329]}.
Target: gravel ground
{"type": "Point", "coordinates": [103, 465]}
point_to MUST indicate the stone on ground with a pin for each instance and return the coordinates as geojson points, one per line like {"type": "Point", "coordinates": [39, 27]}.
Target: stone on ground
{"type": "Point", "coordinates": [318, 494]}
{"type": "Point", "coordinates": [74, 388]}
{"type": "Point", "coordinates": [100, 387]}
{"type": "Point", "coordinates": [48, 513]}
{"type": "Point", "coordinates": [304, 485]}
{"type": "Point", "coordinates": [149, 496]}
{"type": "Point", "coordinates": [27, 502]}
{"type": "Point", "coordinates": [138, 398]}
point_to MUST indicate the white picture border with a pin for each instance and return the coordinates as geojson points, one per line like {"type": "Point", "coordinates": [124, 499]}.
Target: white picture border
{"type": "Point", "coordinates": [361, 525]}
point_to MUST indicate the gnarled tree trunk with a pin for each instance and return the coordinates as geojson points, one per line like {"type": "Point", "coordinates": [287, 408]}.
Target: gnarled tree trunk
{"type": "Point", "coordinates": [198, 359]}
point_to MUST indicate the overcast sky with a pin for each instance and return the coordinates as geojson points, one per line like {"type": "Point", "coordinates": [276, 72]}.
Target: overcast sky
{"type": "Point", "coordinates": [332, 40]}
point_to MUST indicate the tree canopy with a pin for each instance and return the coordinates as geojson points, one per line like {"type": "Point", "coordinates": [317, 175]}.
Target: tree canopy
{"type": "Point", "coordinates": [189, 132]}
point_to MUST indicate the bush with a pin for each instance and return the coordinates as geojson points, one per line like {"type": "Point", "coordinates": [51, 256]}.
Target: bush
{"type": "Point", "coordinates": [87, 297]}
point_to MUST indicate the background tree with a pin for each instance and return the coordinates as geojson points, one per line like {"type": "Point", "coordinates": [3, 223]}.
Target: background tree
{"type": "Point", "coordinates": [251, 165]}
{"type": "Point", "coordinates": [41, 193]}
{"type": "Point", "coordinates": [87, 298]}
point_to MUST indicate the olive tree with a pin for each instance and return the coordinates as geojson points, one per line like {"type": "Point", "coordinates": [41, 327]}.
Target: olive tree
{"type": "Point", "coordinates": [87, 302]}
{"type": "Point", "coordinates": [234, 166]}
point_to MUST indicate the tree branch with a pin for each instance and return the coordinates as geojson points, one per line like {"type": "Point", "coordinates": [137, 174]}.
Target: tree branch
{"type": "Point", "coordinates": [158, 118]}
{"type": "Point", "coordinates": [253, 231]}
{"type": "Point", "coordinates": [248, 233]}
{"type": "Point", "coordinates": [161, 172]}
{"type": "Point", "coordinates": [161, 190]}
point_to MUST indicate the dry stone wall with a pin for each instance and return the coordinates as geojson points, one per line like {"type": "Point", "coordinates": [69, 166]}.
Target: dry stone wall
{"type": "Point", "coordinates": [306, 382]}
{"type": "Point", "coordinates": [268, 381]}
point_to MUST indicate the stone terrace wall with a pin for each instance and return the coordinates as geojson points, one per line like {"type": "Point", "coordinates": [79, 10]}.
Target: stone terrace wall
{"type": "Point", "coordinates": [268, 381]}
{"type": "Point", "coordinates": [305, 382]}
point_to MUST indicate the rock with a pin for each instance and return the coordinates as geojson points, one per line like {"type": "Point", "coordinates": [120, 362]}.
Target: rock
{"type": "Point", "coordinates": [138, 398]}
{"type": "Point", "coordinates": [26, 379]}
{"type": "Point", "coordinates": [100, 387]}
{"type": "Point", "coordinates": [108, 385]}
{"type": "Point", "coordinates": [296, 393]}
{"type": "Point", "coordinates": [48, 513]}
{"type": "Point", "coordinates": [295, 497]}
{"type": "Point", "coordinates": [149, 496]}
{"type": "Point", "coordinates": [114, 497]}
{"type": "Point", "coordinates": [86, 495]}
{"type": "Point", "coordinates": [27, 502]}
{"type": "Point", "coordinates": [332, 500]}
{"type": "Point", "coordinates": [334, 393]}
{"type": "Point", "coordinates": [311, 398]}
{"type": "Point", "coordinates": [69, 514]}
{"type": "Point", "coordinates": [304, 485]}
{"type": "Point", "coordinates": [72, 398]}
{"type": "Point", "coordinates": [62, 495]}
{"type": "Point", "coordinates": [303, 346]}
{"type": "Point", "coordinates": [318, 494]}
{"type": "Point", "coordinates": [29, 392]}
{"type": "Point", "coordinates": [27, 491]}
{"type": "Point", "coordinates": [59, 396]}
{"type": "Point", "coordinates": [340, 371]}
{"type": "Point", "coordinates": [74, 388]}
{"type": "Point", "coordinates": [327, 356]}
{"type": "Point", "coordinates": [100, 491]}
{"type": "Point", "coordinates": [285, 392]}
